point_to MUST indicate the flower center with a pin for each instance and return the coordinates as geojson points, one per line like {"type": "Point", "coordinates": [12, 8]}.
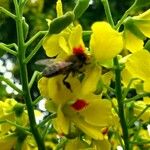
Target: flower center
{"type": "Point", "coordinates": [78, 50]}
{"type": "Point", "coordinates": [79, 104]}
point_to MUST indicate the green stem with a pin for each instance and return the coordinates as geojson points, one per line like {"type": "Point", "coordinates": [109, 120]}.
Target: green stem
{"type": "Point", "coordinates": [8, 13]}
{"type": "Point", "coordinates": [33, 79]}
{"type": "Point", "coordinates": [61, 144]}
{"type": "Point", "coordinates": [24, 77]}
{"type": "Point", "coordinates": [12, 85]}
{"type": "Point", "coordinates": [46, 120]}
{"type": "Point", "coordinates": [128, 88]}
{"type": "Point", "coordinates": [108, 12]}
{"type": "Point", "coordinates": [13, 45]}
{"type": "Point", "coordinates": [37, 100]}
{"type": "Point", "coordinates": [46, 129]}
{"type": "Point", "coordinates": [3, 47]}
{"type": "Point", "coordinates": [137, 97]}
{"type": "Point", "coordinates": [125, 16]}
{"type": "Point", "coordinates": [35, 37]}
{"type": "Point", "coordinates": [34, 51]}
{"type": "Point", "coordinates": [87, 33]}
{"type": "Point", "coordinates": [134, 120]}
{"type": "Point", "coordinates": [140, 142]}
{"type": "Point", "coordinates": [120, 103]}
{"type": "Point", "coordinates": [16, 125]}
{"type": "Point", "coordinates": [118, 83]}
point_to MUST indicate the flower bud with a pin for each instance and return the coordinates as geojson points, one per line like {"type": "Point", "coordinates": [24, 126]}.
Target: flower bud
{"type": "Point", "coordinates": [60, 23]}
{"type": "Point", "coordinates": [80, 8]}
{"type": "Point", "coordinates": [18, 109]}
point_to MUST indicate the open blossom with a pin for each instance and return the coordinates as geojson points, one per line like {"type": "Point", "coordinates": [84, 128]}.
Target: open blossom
{"type": "Point", "coordinates": [141, 23]}
{"type": "Point", "coordinates": [86, 111]}
{"type": "Point", "coordinates": [137, 66]}
{"type": "Point", "coordinates": [62, 44]}
{"type": "Point", "coordinates": [105, 42]}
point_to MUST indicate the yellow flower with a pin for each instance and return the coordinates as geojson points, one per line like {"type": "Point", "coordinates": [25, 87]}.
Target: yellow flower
{"type": "Point", "coordinates": [138, 66]}
{"type": "Point", "coordinates": [85, 110]}
{"type": "Point", "coordinates": [54, 88]}
{"type": "Point", "coordinates": [65, 43]}
{"type": "Point", "coordinates": [140, 23]}
{"type": "Point", "coordinates": [6, 113]}
{"type": "Point", "coordinates": [105, 42]}
{"type": "Point", "coordinates": [77, 144]}
{"type": "Point", "coordinates": [132, 42]}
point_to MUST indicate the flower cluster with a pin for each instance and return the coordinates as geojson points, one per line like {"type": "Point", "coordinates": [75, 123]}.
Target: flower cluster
{"type": "Point", "coordinates": [79, 95]}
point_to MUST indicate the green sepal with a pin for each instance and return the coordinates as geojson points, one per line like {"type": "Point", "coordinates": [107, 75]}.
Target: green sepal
{"type": "Point", "coordinates": [130, 25]}
{"type": "Point", "coordinates": [60, 23]}
{"type": "Point", "coordinates": [80, 8]}
{"type": "Point", "coordinates": [25, 28]}
{"type": "Point", "coordinates": [141, 3]}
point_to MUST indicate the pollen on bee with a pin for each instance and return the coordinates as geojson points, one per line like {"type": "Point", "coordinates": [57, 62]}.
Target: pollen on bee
{"type": "Point", "coordinates": [78, 50]}
{"type": "Point", "coordinates": [79, 104]}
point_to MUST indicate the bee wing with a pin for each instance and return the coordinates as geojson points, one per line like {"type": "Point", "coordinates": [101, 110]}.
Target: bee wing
{"type": "Point", "coordinates": [45, 62]}
{"type": "Point", "coordinates": [56, 69]}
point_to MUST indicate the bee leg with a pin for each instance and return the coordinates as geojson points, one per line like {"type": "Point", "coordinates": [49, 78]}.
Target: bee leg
{"type": "Point", "coordinates": [67, 84]}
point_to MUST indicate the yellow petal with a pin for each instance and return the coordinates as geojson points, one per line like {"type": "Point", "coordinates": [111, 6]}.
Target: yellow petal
{"type": "Point", "coordinates": [64, 45]}
{"type": "Point", "coordinates": [139, 107]}
{"type": "Point", "coordinates": [61, 123]}
{"type": "Point", "coordinates": [53, 88]}
{"type": "Point", "coordinates": [51, 45]}
{"type": "Point", "coordinates": [145, 28]}
{"type": "Point", "coordinates": [139, 64]}
{"type": "Point", "coordinates": [75, 144]}
{"type": "Point", "coordinates": [102, 145]}
{"type": "Point", "coordinates": [75, 38]}
{"type": "Point", "coordinates": [95, 109]}
{"type": "Point", "coordinates": [59, 9]}
{"type": "Point", "coordinates": [92, 131]}
{"type": "Point", "coordinates": [147, 85]}
{"type": "Point", "coordinates": [143, 16]}
{"type": "Point", "coordinates": [146, 100]}
{"type": "Point", "coordinates": [143, 22]}
{"type": "Point", "coordinates": [8, 142]}
{"type": "Point", "coordinates": [105, 42]}
{"type": "Point", "coordinates": [92, 76]}
{"type": "Point", "coordinates": [132, 43]}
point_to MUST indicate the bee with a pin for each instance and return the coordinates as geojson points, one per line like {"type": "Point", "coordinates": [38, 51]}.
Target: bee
{"type": "Point", "coordinates": [73, 64]}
